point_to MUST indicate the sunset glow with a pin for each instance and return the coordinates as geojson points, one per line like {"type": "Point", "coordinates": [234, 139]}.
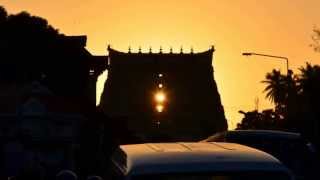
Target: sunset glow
{"type": "Point", "coordinates": [277, 27]}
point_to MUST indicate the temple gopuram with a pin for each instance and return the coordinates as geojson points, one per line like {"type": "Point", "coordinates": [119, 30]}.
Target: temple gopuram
{"type": "Point", "coordinates": [163, 96]}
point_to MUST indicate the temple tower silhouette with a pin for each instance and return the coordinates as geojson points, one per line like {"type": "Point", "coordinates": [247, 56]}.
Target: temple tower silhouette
{"type": "Point", "coordinates": [190, 109]}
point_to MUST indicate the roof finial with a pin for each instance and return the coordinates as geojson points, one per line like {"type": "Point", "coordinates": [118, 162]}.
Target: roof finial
{"type": "Point", "coordinates": [160, 50]}
{"type": "Point", "coordinates": [181, 50]}
{"type": "Point", "coordinates": [170, 50]}
{"type": "Point", "coordinates": [109, 46]}
{"type": "Point", "coordinates": [139, 49]}
{"type": "Point", "coordinates": [150, 49]}
{"type": "Point", "coordinates": [129, 50]}
{"type": "Point", "coordinates": [212, 48]}
{"type": "Point", "coordinates": [191, 50]}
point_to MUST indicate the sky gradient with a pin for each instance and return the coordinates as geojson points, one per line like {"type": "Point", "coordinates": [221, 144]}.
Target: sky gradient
{"type": "Point", "coordinates": [276, 27]}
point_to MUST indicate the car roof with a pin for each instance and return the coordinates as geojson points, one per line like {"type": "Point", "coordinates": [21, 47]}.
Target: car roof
{"type": "Point", "coordinates": [271, 134]}
{"type": "Point", "coordinates": [193, 157]}
{"type": "Point", "coordinates": [266, 133]}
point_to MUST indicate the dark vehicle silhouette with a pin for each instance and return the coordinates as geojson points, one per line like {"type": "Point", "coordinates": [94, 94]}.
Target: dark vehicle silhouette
{"type": "Point", "coordinates": [195, 161]}
{"type": "Point", "coordinates": [290, 148]}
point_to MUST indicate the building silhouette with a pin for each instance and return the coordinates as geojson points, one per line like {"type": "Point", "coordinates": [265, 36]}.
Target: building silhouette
{"type": "Point", "coordinates": [46, 95]}
{"type": "Point", "coordinates": [191, 107]}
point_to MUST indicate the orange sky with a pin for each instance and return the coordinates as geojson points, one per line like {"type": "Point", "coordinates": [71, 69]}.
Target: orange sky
{"type": "Point", "coordinates": [277, 27]}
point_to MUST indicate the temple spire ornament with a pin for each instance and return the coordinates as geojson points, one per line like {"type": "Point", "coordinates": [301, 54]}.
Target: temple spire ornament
{"type": "Point", "coordinates": [212, 48]}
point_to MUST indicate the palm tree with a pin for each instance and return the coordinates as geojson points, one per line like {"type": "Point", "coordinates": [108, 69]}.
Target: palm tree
{"type": "Point", "coordinates": [276, 87]}
{"type": "Point", "coordinates": [282, 91]}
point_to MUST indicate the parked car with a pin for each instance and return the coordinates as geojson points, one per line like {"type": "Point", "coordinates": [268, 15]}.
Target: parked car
{"type": "Point", "coordinates": [290, 148]}
{"type": "Point", "coordinates": [195, 161]}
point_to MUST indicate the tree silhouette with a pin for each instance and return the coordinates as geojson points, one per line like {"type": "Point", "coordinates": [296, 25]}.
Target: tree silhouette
{"type": "Point", "coordinates": [282, 91]}
{"type": "Point", "coordinates": [267, 119]}
{"type": "Point", "coordinates": [276, 87]}
{"type": "Point", "coordinates": [308, 81]}
{"type": "Point", "coordinates": [297, 102]}
{"type": "Point", "coordinates": [316, 39]}
{"type": "Point", "coordinates": [32, 50]}
{"type": "Point", "coordinates": [26, 44]}
{"type": "Point", "coordinates": [3, 14]}
{"type": "Point", "coordinates": [309, 91]}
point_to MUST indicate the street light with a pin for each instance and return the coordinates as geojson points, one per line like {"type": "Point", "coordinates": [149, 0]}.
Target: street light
{"type": "Point", "coordinates": [271, 56]}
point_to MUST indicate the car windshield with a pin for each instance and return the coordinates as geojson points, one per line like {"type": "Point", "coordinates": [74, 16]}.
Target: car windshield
{"type": "Point", "coordinates": [216, 176]}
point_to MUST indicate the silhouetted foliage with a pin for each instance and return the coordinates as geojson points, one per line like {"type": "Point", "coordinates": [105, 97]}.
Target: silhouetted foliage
{"type": "Point", "coordinates": [26, 42]}
{"type": "Point", "coordinates": [3, 14]}
{"type": "Point", "coordinates": [267, 119]}
{"type": "Point", "coordinates": [297, 102]}
{"type": "Point", "coordinates": [32, 50]}
{"type": "Point", "coordinates": [316, 39]}
{"type": "Point", "coordinates": [280, 90]}
{"type": "Point", "coordinates": [276, 87]}
{"type": "Point", "coordinates": [309, 102]}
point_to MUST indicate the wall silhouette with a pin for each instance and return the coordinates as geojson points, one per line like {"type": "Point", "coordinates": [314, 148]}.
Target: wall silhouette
{"type": "Point", "coordinates": [192, 109]}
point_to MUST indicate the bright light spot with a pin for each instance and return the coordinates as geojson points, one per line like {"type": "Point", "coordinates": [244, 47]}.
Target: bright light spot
{"type": "Point", "coordinates": [91, 72]}
{"type": "Point", "coordinates": [160, 97]}
{"type": "Point", "coordinates": [159, 108]}
{"type": "Point", "coordinates": [160, 75]}
{"type": "Point", "coordinates": [160, 85]}
{"type": "Point", "coordinates": [100, 85]}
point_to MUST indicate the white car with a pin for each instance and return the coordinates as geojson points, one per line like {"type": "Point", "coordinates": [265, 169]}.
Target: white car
{"type": "Point", "coordinates": [195, 161]}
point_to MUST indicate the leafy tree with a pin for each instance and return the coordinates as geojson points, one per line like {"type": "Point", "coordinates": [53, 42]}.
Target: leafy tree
{"type": "Point", "coordinates": [33, 50]}
{"type": "Point", "coordinates": [3, 14]}
{"type": "Point", "coordinates": [297, 102]}
{"type": "Point", "coordinates": [309, 89]}
{"type": "Point", "coordinates": [267, 119]}
{"type": "Point", "coordinates": [316, 39]}
{"type": "Point", "coordinates": [309, 78]}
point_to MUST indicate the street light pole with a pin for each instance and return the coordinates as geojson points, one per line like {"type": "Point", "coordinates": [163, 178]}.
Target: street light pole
{"type": "Point", "coordinates": [271, 56]}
